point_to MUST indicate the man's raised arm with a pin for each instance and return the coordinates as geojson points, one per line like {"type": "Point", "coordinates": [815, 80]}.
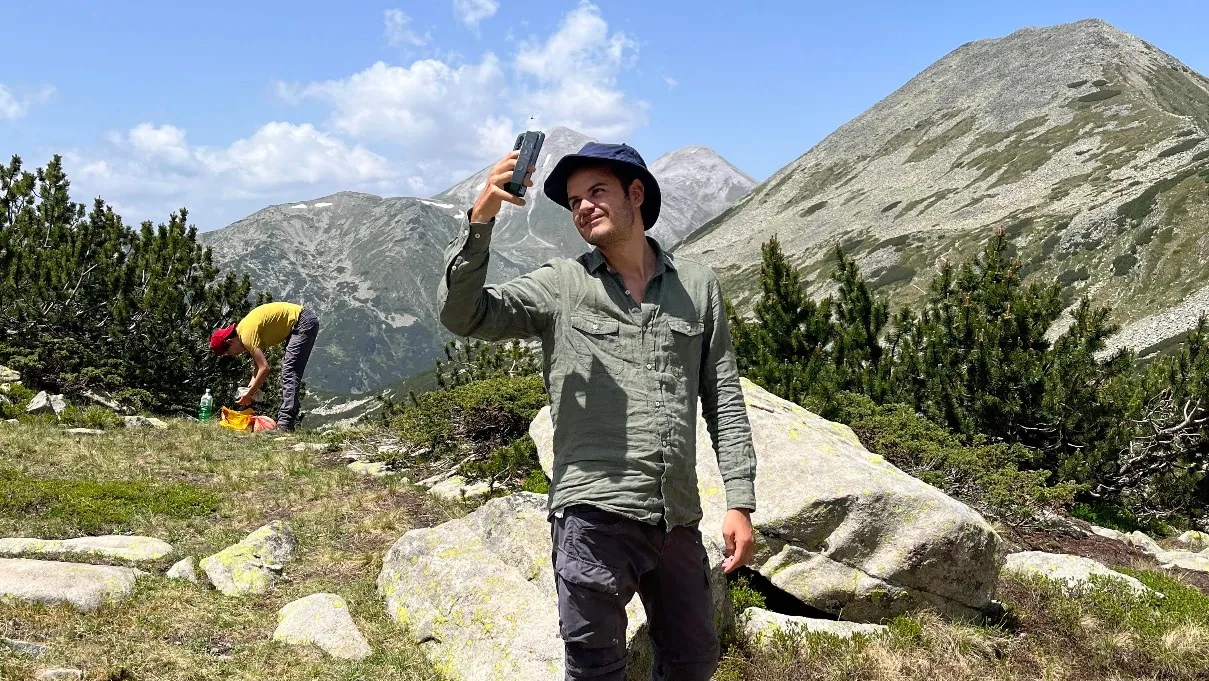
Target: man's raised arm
{"type": "Point", "coordinates": [521, 308]}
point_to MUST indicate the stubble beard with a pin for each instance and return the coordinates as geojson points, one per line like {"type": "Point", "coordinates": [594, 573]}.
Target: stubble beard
{"type": "Point", "coordinates": [620, 230]}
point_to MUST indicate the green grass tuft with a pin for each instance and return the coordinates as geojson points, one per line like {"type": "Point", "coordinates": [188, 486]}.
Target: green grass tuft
{"type": "Point", "coordinates": [99, 506]}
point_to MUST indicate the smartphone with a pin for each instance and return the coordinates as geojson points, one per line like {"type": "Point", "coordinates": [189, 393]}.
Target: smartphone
{"type": "Point", "coordinates": [530, 145]}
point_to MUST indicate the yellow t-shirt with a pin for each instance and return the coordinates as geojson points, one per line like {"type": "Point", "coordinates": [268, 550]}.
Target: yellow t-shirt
{"type": "Point", "coordinates": [268, 325]}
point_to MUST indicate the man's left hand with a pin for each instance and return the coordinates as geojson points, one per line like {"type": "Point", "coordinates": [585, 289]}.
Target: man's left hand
{"type": "Point", "coordinates": [245, 400]}
{"type": "Point", "coordinates": [739, 537]}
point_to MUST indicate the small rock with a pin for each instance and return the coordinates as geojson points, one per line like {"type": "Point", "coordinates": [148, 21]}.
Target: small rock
{"type": "Point", "coordinates": [8, 375]}
{"type": "Point", "coordinates": [1110, 534]}
{"type": "Point", "coordinates": [322, 620]}
{"type": "Point", "coordinates": [389, 449]}
{"type": "Point", "coordinates": [12, 422]}
{"type": "Point", "coordinates": [1194, 540]}
{"type": "Point", "coordinates": [455, 488]}
{"type": "Point", "coordinates": [25, 648]}
{"type": "Point", "coordinates": [281, 438]}
{"type": "Point", "coordinates": [144, 422]}
{"type": "Point", "coordinates": [6, 388]}
{"type": "Point", "coordinates": [1072, 571]}
{"type": "Point", "coordinates": [5, 400]}
{"type": "Point", "coordinates": [103, 401]}
{"type": "Point", "coordinates": [109, 546]}
{"type": "Point", "coordinates": [1184, 559]}
{"type": "Point", "coordinates": [84, 431]}
{"type": "Point", "coordinates": [760, 626]}
{"type": "Point", "coordinates": [84, 587]}
{"type": "Point", "coordinates": [377, 469]}
{"type": "Point", "coordinates": [40, 404]}
{"type": "Point", "coordinates": [351, 455]}
{"type": "Point", "coordinates": [309, 446]}
{"type": "Point", "coordinates": [252, 565]}
{"type": "Point", "coordinates": [183, 569]}
{"type": "Point", "coordinates": [58, 403]}
{"type": "Point", "coordinates": [59, 675]}
{"type": "Point", "coordinates": [1144, 542]}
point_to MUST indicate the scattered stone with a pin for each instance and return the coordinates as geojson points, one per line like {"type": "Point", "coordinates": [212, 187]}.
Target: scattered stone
{"type": "Point", "coordinates": [5, 400]}
{"type": "Point", "coordinates": [1055, 522]}
{"type": "Point", "coordinates": [377, 469]}
{"type": "Point", "coordinates": [121, 547]}
{"type": "Point", "coordinates": [7, 388]}
{"type": "Point", "coordinates": [9, 375]}
{"type": "Point", "coordinates": [25, 648]}
{"type": "Point", "coordinates": [1184, 559]}
{"type": "Point", "coordinates": [351, 455]}
{"type": "Point", "coordinates": [455, 488]}
{"type": "Point", "coordinates": [84, 431]}
{"type": "Point", "coordinates": [84, 587]}
{"type": "Point", "coordinates": [282, 438]}
{"type": "Point", "coordinates": [104, 401]}
{"type": "Point", "coordinates": [1194, 540]}
{"type": "Point", "coordinates": [1073, 571]}
{"type": "Point", "coordinates": [322, 620]}
{"type": "Point", "coordinates": [12, 422]}
{"type": "Point", "coordinates": [144, 422]}
{"type": "Point", "coordinates": [40, 404]}
{"type": "Point", "coordinates": [760, 626]}
{"type": "Point", "coordinates": [59, 675]}
{"type": "Point", "coordinates": [1110, 534]}
{"type": "Point", "coordinates": [252, 565]}
{"type": "Point", "coordinates": [481, 591]}
{"type": "Point", "coordinates": [309, 447]}
{"type": "Point", "coordinates": [389, 449]}
{"type": "Point", "coordinates": [839, 527]}
{"type": "Point", "coordinates": [185, 569]}
{"type": "Point", "coordinates": [1144, 542]}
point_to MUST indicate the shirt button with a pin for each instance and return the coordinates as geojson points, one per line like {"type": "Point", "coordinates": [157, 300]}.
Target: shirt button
{"type": "Point", "coordinates": [627, 292]}
{"type": "Point", "coordinates": [650, 366]}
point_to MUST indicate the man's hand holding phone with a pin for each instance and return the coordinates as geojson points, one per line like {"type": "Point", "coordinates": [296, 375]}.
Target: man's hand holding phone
{"type": "Point", "coordinates": [494, 195]}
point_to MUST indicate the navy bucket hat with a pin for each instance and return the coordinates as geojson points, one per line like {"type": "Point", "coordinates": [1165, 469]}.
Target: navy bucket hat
{"type": "Point", "coordinates": [595, 153]}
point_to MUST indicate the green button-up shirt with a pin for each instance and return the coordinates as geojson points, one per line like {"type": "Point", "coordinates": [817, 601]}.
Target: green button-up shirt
{"type": "Point", "coordinates": [623, 378]}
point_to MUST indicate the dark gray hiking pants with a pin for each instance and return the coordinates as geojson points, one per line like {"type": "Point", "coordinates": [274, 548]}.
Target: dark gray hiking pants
{"type": "Point", "coordinates": [600, 561]}
{"type": "Point", "coordinates": [297, 351]}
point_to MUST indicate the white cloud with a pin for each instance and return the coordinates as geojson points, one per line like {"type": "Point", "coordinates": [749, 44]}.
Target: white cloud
{"type": "Point", "coordinates": [155, 168]}
{"type": "Point", "coordinates": [576, 70]}
{"type": "Point", "coordinates": [472, 12]}
{"type": "Point", "coordinates": [397, 30]}
{"type": "Point", "coordinates": [671, 82]}
{"type": "Point", "coordinates": [13, 107]}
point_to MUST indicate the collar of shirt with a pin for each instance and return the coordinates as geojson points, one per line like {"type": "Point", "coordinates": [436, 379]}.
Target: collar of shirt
{"type": "Point", "coordinates": [596, 260]}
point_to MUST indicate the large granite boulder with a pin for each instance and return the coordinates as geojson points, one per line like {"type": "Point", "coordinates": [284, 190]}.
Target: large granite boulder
{"type": "Point", "coordinates": [840, 528]}
{"type": "Point", "coordinates": [1073, 572]}
{"type": "Point", "coordinates": [478, 593]}
{"type": "Point", "coordinates": [119, 547]}
{"type": "Point", "coordinates": [84, 587]}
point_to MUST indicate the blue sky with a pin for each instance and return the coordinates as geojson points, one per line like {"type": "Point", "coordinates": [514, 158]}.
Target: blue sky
{"type": "Point", "coordinates": [226, 107]}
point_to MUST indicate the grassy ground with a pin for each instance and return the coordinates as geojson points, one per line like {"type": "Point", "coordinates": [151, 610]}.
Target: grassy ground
{"type": "Point", "coordinates": [202, 488]}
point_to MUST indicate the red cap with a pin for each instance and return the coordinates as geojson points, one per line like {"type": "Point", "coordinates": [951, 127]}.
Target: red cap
{"type": "Point", "coordinates": [218, 339]}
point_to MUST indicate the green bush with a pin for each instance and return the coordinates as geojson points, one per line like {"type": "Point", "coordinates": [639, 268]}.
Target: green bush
{"type": "Point", "coordinates": [743, 596]}
{"type": "Point", "coordinates": [1117, 518]}
{"type": "Point", "coordinates": [999, 479]}
{"type": "Point", "coordinates": [486, 422]}
{"type": "Point", "coordinates": [18, 397]}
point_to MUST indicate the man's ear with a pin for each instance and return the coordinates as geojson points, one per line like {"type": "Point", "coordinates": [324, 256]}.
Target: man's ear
{"type": "Point", "coordinates": [637, 192]}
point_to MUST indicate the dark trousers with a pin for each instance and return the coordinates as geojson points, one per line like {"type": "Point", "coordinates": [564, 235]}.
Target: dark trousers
{"type": "Point", "coordinates": [600, 561]}
{"type": "Point", "coordinates": [297, 351]}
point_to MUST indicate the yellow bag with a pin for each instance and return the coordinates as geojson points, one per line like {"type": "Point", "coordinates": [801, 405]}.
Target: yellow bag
{"type": "Point", "coordinates": [241, 420]}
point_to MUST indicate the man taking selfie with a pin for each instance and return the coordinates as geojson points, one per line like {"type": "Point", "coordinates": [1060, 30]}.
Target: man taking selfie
{"type": "Point", "coordinates": [631, 337]}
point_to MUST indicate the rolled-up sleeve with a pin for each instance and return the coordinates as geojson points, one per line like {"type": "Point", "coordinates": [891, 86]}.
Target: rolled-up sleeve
{"type": "Point", "coordinates": [520, 308]}
{"type": "Point", "coordinates": [723, 407]}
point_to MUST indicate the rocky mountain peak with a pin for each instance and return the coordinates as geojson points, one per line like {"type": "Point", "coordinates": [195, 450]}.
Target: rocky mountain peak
{"type": "Point", "coordinates": [1085, 142]}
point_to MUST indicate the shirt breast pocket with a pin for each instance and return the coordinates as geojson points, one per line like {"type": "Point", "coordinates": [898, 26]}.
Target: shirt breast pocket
{"type": "Point", "coordinates": [685, 338]}
{"type": "Point", "coordinates": [597, 343]}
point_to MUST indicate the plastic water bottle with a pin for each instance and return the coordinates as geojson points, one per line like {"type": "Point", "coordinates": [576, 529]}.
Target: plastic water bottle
{"type": "Point", "coordinates": [206, 410]}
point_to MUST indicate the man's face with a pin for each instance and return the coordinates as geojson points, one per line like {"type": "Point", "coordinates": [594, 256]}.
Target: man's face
{"type": "Point", "coordinates": [234, 347]}
{"type": "Point", "coordinates": [600, 209]}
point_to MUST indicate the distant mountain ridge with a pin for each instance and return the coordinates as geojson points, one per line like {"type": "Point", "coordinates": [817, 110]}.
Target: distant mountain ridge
{"type": "Point", "coordinates": [1087, 144]}
{"type": "Point", "coordinates": [370, 265]}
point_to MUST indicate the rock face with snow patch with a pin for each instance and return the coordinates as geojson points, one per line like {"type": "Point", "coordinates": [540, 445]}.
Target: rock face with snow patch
{"type": "Point", "coordinates": [838, 527]}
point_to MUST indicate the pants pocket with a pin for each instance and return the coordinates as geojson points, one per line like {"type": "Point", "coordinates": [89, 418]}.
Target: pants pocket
{"type": "Point", "coordinates": [590, 608]}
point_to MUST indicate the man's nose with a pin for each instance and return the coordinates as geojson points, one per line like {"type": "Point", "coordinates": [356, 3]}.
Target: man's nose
{"type": "Point", "coordinates": [585, 208]}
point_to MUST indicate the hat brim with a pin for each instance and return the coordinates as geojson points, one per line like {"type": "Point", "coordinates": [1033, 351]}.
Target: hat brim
{"type": "Point", "coordinates": [555, 186]}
